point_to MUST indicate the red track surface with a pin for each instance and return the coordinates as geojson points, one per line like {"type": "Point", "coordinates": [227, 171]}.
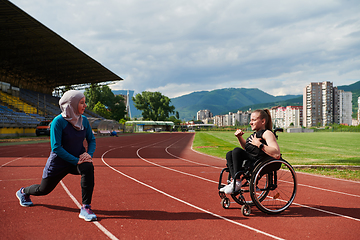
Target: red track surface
{"type": "Point", "coordinates": [154, 186]}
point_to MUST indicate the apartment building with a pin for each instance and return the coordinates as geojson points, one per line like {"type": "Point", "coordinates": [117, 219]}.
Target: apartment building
{"type": "Point", "coordinates": [343, 107]}
{"type": "Point", "coordinates": [278, 116]}
{"type": "Point", "coordinates": [241, 118]}
{"type": "Point", "coordinates": [284, 117]}
{"type": "Point", "coordinates": [318, 104]}
{"type": "Point", "coordinates": [358, 115]}
{"type": "Point", "coordinates": [203, 114]}
{"type": "Point", "coordinates": [324, 104]}
{"type": "Point", "coordinates": [293, 116]}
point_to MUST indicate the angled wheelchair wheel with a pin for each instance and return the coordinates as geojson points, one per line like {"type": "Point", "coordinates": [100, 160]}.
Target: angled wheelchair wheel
{"type": "Point", "coordinates": [273, 186]}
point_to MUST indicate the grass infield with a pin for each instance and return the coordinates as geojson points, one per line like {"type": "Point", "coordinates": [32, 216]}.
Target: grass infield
{"type": "Point", "coordinates": [318, 148]}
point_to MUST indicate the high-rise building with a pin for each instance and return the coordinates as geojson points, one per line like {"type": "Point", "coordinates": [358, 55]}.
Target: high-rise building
{"type": "Point", "coordinates": [318, 104]}
{"type": "Point", "coordinates": [324, 104]}
{"type": "Point", "coordinates": [358, 115]}
{"type": "Point", "coordinates": [343, 109]}
{"type": "Point", "coordinates": [203, 114]}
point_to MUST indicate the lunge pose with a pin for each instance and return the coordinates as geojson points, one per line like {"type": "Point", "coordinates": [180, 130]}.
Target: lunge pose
{"type": "Point", "coordinates": [260, 145]}
{"type": "Point", "coordinates": [68, 154]}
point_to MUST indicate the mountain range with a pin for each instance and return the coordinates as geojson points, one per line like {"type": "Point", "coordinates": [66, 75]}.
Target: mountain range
{"type": "Point", "coordinates": [223, 101]}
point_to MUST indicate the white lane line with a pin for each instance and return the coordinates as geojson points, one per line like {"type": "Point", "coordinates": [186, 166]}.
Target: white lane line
{"type": "Point", "coordinates": [304, 185]}
{"type": "Point", "coordinates": [336, 214]}
{"type": "Point", "coordinates": [101, 227]}
{"type": "Point", "coordinates": [11, 161]}
{"type": "Point", "coordinates": [328, 190]}
{"type": "Point", "coordinates": [324, 211]}
{"type": "Point", "coordinates": [202, 164]}
{"type": "Point", "coordinates": [332, 178]}
{"type": "Point", "coordinates": [186, 203]}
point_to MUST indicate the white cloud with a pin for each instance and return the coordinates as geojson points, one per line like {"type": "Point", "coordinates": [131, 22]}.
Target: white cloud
{"type": "Point", "coordinates": [180, 46]}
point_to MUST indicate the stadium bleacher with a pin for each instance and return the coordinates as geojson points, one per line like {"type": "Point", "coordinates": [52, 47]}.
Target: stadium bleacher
{"type": "Point", "coordinates": [30, 108]}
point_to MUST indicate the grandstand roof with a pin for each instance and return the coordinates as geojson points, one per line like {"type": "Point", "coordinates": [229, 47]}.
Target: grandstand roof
{"type": "Point", "coordinates": [36, 58]}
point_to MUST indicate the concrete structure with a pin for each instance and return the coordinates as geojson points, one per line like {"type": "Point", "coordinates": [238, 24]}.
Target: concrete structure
{"type": "Point", "coordinates": [278, 116]}
{"type": "Point", "coordinates": [157, 126]}
{"type": "Point", "coordinates": [293, 116]}
{"type": "Point", "coordinates": [324, 104]}
{"type": "Point", "coordinates": [203, 114]}
{"type": "Point", "coordinates": [318, 104]}
{"type": "Point", "coordinates": [284, 117]}
{"type": "Point", "coordinates": [358, 115]}
{"type": "Point", "coordinates": [241, 118]}
{"type": "Point", "coordinates": [344, 110]}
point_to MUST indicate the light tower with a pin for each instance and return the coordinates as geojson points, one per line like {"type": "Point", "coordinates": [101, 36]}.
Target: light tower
{"type": "Point", "coordinates": [128, 105]}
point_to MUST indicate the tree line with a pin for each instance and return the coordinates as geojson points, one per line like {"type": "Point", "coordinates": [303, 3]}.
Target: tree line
{"type": "Point", "coordinates": [153, 105]}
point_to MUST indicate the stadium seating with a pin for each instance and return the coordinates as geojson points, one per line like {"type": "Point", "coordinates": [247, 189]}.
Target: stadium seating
{"type": "Point", "coordinates": [30, 108]}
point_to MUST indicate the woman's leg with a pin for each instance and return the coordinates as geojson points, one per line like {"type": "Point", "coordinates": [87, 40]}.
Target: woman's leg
{"type": "Point", "coordinates": [86, 170]}
{"type": "Point", "coordinates": [45, 187]}
{"type": "Point", "coordinates": [235, 159]}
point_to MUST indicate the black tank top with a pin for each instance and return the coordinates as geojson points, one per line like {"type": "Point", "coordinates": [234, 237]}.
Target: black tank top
{"type": "Point", "coordinates": [255, 152]}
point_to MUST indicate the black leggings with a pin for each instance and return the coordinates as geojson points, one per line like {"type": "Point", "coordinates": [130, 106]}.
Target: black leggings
{"type": "Point", "coordinates": [235, 160]}
{"type": "Point", "coordinates": [86, 170]}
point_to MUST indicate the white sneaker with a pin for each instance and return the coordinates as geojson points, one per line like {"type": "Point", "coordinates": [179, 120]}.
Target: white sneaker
{"type": "Point", "coordinates": [230, 186]}
{"type": "Point", "coordinates": [228, 189]}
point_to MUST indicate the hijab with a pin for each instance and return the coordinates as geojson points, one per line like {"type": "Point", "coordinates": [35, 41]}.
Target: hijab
{"type": "Point", "coordinates": [69, 108]}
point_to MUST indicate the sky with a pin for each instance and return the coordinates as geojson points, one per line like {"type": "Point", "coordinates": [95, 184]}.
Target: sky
{"type": "Point", "coordinates": [177, 47]}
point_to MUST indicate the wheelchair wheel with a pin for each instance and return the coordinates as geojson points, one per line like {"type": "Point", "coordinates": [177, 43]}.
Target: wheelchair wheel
{"type": "Point", "coordinates": [225, 203]}
{"type": "Point", "coordinates": [246, 210]}
{"type": "Point", "coordinates": [273, 186]}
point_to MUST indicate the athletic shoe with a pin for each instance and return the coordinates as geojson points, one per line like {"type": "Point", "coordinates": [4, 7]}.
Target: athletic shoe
{"type": "Point", "coordinates": [24, 199]}
{"type": "Point", "coordinates": [87, 214]}
{"type": "Point", "coordinates": [228, 189]}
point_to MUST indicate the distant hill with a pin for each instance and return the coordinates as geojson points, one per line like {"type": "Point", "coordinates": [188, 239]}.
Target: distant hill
{"type": "Point", "coordinates": [222, 101]}
{"type": "Point", "coordinates": [298, 101]}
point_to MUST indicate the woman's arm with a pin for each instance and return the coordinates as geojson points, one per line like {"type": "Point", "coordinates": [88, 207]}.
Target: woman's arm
{"type": "Point", "coordinates": [239, 134]}
{"type": "Point", "coordinates": [90, 138]}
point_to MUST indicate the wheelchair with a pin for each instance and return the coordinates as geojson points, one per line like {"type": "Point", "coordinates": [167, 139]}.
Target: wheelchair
{"type": "Point", "coordinates": [271, 185]}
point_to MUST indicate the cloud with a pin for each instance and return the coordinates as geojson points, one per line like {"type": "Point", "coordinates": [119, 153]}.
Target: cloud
{"type": "Point", "coordinates": [177, 47]}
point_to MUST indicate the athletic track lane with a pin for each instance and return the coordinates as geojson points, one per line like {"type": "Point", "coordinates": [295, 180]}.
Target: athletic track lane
{"type": "Point", "coordinates": [156, 186]}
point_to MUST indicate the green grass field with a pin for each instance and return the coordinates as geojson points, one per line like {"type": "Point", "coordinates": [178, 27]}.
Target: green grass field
{"type": "Point", "coordinates": [318, 148]}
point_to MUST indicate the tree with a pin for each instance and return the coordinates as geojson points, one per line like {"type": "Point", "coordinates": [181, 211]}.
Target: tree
{"type": "Point", "coordinates": [101, 110]}
{"type": "Point", "coordinates": [114, 105]}
{"type": "Point", "coordinates": [118, 110]}
{"type": "Point", "coordinates": [154, 105]}
{"type": "Point", "coordinates": [92, 95]}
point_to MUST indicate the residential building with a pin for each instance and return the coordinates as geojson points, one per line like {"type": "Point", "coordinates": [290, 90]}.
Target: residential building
{"type": "Point", "coordinates": [278, 116]}
{"type": "Point", "coordinates": [358, 115]}
{"type": "Point", "coordinates": [293, 116]}
{"type": "Point", "coordinates": [324, 104]}
{"type": "Point", "coordinates": [318, 104]}
{"type": "Point", "coordinates": [203, 114]}
{"type": "Point", "coordinates": [240, 118]}
{"type": "Point", "coordinates": [343, 108]}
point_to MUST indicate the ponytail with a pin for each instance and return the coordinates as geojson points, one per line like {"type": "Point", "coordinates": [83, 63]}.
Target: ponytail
{"type": "Point", "coordinates": [265, 114]}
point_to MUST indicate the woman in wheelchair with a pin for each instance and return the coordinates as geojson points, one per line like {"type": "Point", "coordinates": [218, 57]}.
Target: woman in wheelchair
{"type": "Point", "coordinates": [260, 145]}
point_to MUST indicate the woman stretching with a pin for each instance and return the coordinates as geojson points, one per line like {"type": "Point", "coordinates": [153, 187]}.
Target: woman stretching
{"type": "Point", "coordinates": [260, 145]}
{"type": "Point", "coordinates": [68, 154]}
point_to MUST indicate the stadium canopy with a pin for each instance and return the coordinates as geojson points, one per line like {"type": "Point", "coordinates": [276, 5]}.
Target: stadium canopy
{"type": "Point", "coordinates": [34, 57]}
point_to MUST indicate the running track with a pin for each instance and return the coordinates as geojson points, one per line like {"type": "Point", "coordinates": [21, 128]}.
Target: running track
{"type": "Point", "coordinates": [154, 186]}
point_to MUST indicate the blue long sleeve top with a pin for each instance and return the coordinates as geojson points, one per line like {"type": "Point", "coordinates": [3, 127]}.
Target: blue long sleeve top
{"type": "Point", "coordinates": [67, 144]}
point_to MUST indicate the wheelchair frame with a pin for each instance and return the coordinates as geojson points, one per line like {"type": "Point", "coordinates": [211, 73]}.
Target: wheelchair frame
{"type": "Point", "coordinates": [271, 184]}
